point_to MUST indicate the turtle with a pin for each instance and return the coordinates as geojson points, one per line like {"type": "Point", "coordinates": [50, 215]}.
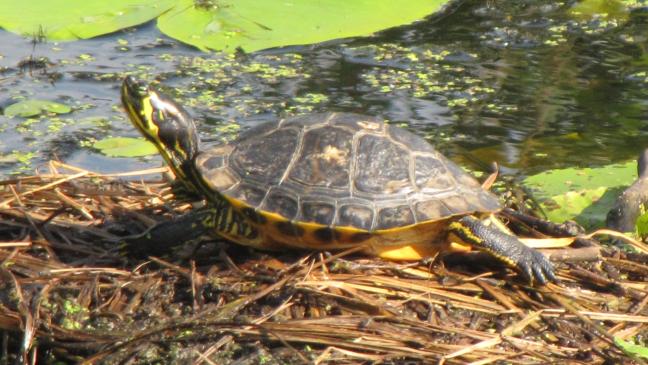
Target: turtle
{"type": "Point", "coordinates": [329, 181]}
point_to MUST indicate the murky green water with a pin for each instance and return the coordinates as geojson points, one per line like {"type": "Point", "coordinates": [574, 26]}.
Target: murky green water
{"type": "Point", "coordinates": [517, 82]}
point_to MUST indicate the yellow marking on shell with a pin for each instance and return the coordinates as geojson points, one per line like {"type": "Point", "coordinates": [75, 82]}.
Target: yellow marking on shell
{"type": "Point", "coordinates": [410, 252]}
{"type": "Point", "coordinates": [412, 242]}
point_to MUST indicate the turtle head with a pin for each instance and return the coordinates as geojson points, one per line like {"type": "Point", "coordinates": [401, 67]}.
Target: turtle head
{"type": "Point", "coordinates": [163, 122]}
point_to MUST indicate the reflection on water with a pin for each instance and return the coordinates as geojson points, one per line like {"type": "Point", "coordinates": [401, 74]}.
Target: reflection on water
{"type": "Point", "coordinates": [518, 82]}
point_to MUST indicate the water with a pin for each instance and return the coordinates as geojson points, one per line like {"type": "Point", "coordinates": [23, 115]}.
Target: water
{"type": "Point", "coordinates": [518, 82]}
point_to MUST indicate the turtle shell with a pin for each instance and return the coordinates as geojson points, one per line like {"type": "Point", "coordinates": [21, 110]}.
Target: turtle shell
{"type": "Point", "coordinates": [340, 180]}
{"type": "Point", "coordinates": [341, 171]}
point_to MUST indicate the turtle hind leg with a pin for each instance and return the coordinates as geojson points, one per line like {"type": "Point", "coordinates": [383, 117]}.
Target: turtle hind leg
{"type": "Point", "coordinates": [534, 266]}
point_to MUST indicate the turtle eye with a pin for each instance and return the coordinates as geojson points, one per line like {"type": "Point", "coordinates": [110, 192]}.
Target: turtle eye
{"type": "Point", "coordinates": [139, 89]}
{"type": "Point", "coordinates": [134, 88]}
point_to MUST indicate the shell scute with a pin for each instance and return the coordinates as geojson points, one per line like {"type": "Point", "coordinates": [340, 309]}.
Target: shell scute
{"type": "Point", "coordinates": [431, 174]}
{"type": "Point", "coordinates": [431, 209]}
{"type": "Point", "coordinates": [213, 162]}
{"type": "Point", "coordinates": [289, 229]}
{"type": "Point", "coordinates": [324, 159]}
{"type": "Point", "coordinates": [220, 179]}
{"type": "Point", "coordinates": [265, 158]}
{"type": "Point", "coordinates": [462, 177]}
{"type": "Point", "coordinates": [280, 202]}
{"type": "Point", "coordinates": [355, 215]}
{"type": "Point", "coordinates": [317, 212]}
{"type": "Point", "coordinates": [251, 194]}
{"type": "Point", "coordinates": [412, 141]}
{"type": "Point", "coordinates": [382, 167]}
{"type": "Point", "coordinates": [397, 216]}
{"type": "Point", "coordinates": [458, 205]}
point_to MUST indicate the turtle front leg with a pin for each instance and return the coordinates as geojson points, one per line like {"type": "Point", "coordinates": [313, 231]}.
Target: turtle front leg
{"type": "Point", "coordinates": [534, 266]}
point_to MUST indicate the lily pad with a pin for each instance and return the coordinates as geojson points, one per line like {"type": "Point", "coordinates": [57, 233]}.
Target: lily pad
{"type": "Point", "coordinates": [125, 147]}
{"type": "Point", "coordinates": [34, 107]}
{"type": "Point", "coordinates": [77, 19]}
{"type": "Point", "coordinates": [588, 9]}
{"type": "Point", "coordinates": [584, 195]}
{"type": "Point", "coordinates": [215, 24]}
{"type": "Point", "coordinates": [258, 24]}
{"type": "Point", "coordinates": [560, 181]}
{"type": "Point", "coordinates": [587, 207]}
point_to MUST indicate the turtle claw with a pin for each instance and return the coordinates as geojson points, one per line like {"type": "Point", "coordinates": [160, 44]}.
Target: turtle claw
{"type": "Point", "coordinates": [535, 267]}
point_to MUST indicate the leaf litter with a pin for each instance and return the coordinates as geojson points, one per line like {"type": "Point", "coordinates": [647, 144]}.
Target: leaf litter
{"type": "Point", "coordinates": [71, 292]}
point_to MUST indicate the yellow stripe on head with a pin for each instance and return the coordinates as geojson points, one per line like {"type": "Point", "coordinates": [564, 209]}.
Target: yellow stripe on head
{"type": "Point", "coordinates": [146, 115]}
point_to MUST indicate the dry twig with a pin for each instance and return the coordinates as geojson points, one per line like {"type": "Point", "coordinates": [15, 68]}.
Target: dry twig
{"type": "Point", "coordinates": [67, 285]}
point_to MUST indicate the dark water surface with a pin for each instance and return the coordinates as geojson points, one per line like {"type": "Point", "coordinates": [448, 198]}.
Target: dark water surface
{"type": "Point", "coordinates": [517, 82]}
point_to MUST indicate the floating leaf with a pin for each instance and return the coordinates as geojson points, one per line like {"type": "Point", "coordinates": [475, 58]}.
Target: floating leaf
{"type": "Point", "coordinates": [215, 24]}
{"type": "Point", "coordinates": [259, 24]}
{"type": "Point", "coordinates": [34, 107]}
{"type": "Point", "coordinates": [584, 195]}
{"type": "Point", "coordinates": [587, 207]}
{"type": "Point", "coordinates": [560, 181]}
{"type": "Point", "coordinates": [588, 9]}
{"type": "Point", "coordinates": [125, 147]}
{"type": "Point", "coordinates": [77, 19]}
